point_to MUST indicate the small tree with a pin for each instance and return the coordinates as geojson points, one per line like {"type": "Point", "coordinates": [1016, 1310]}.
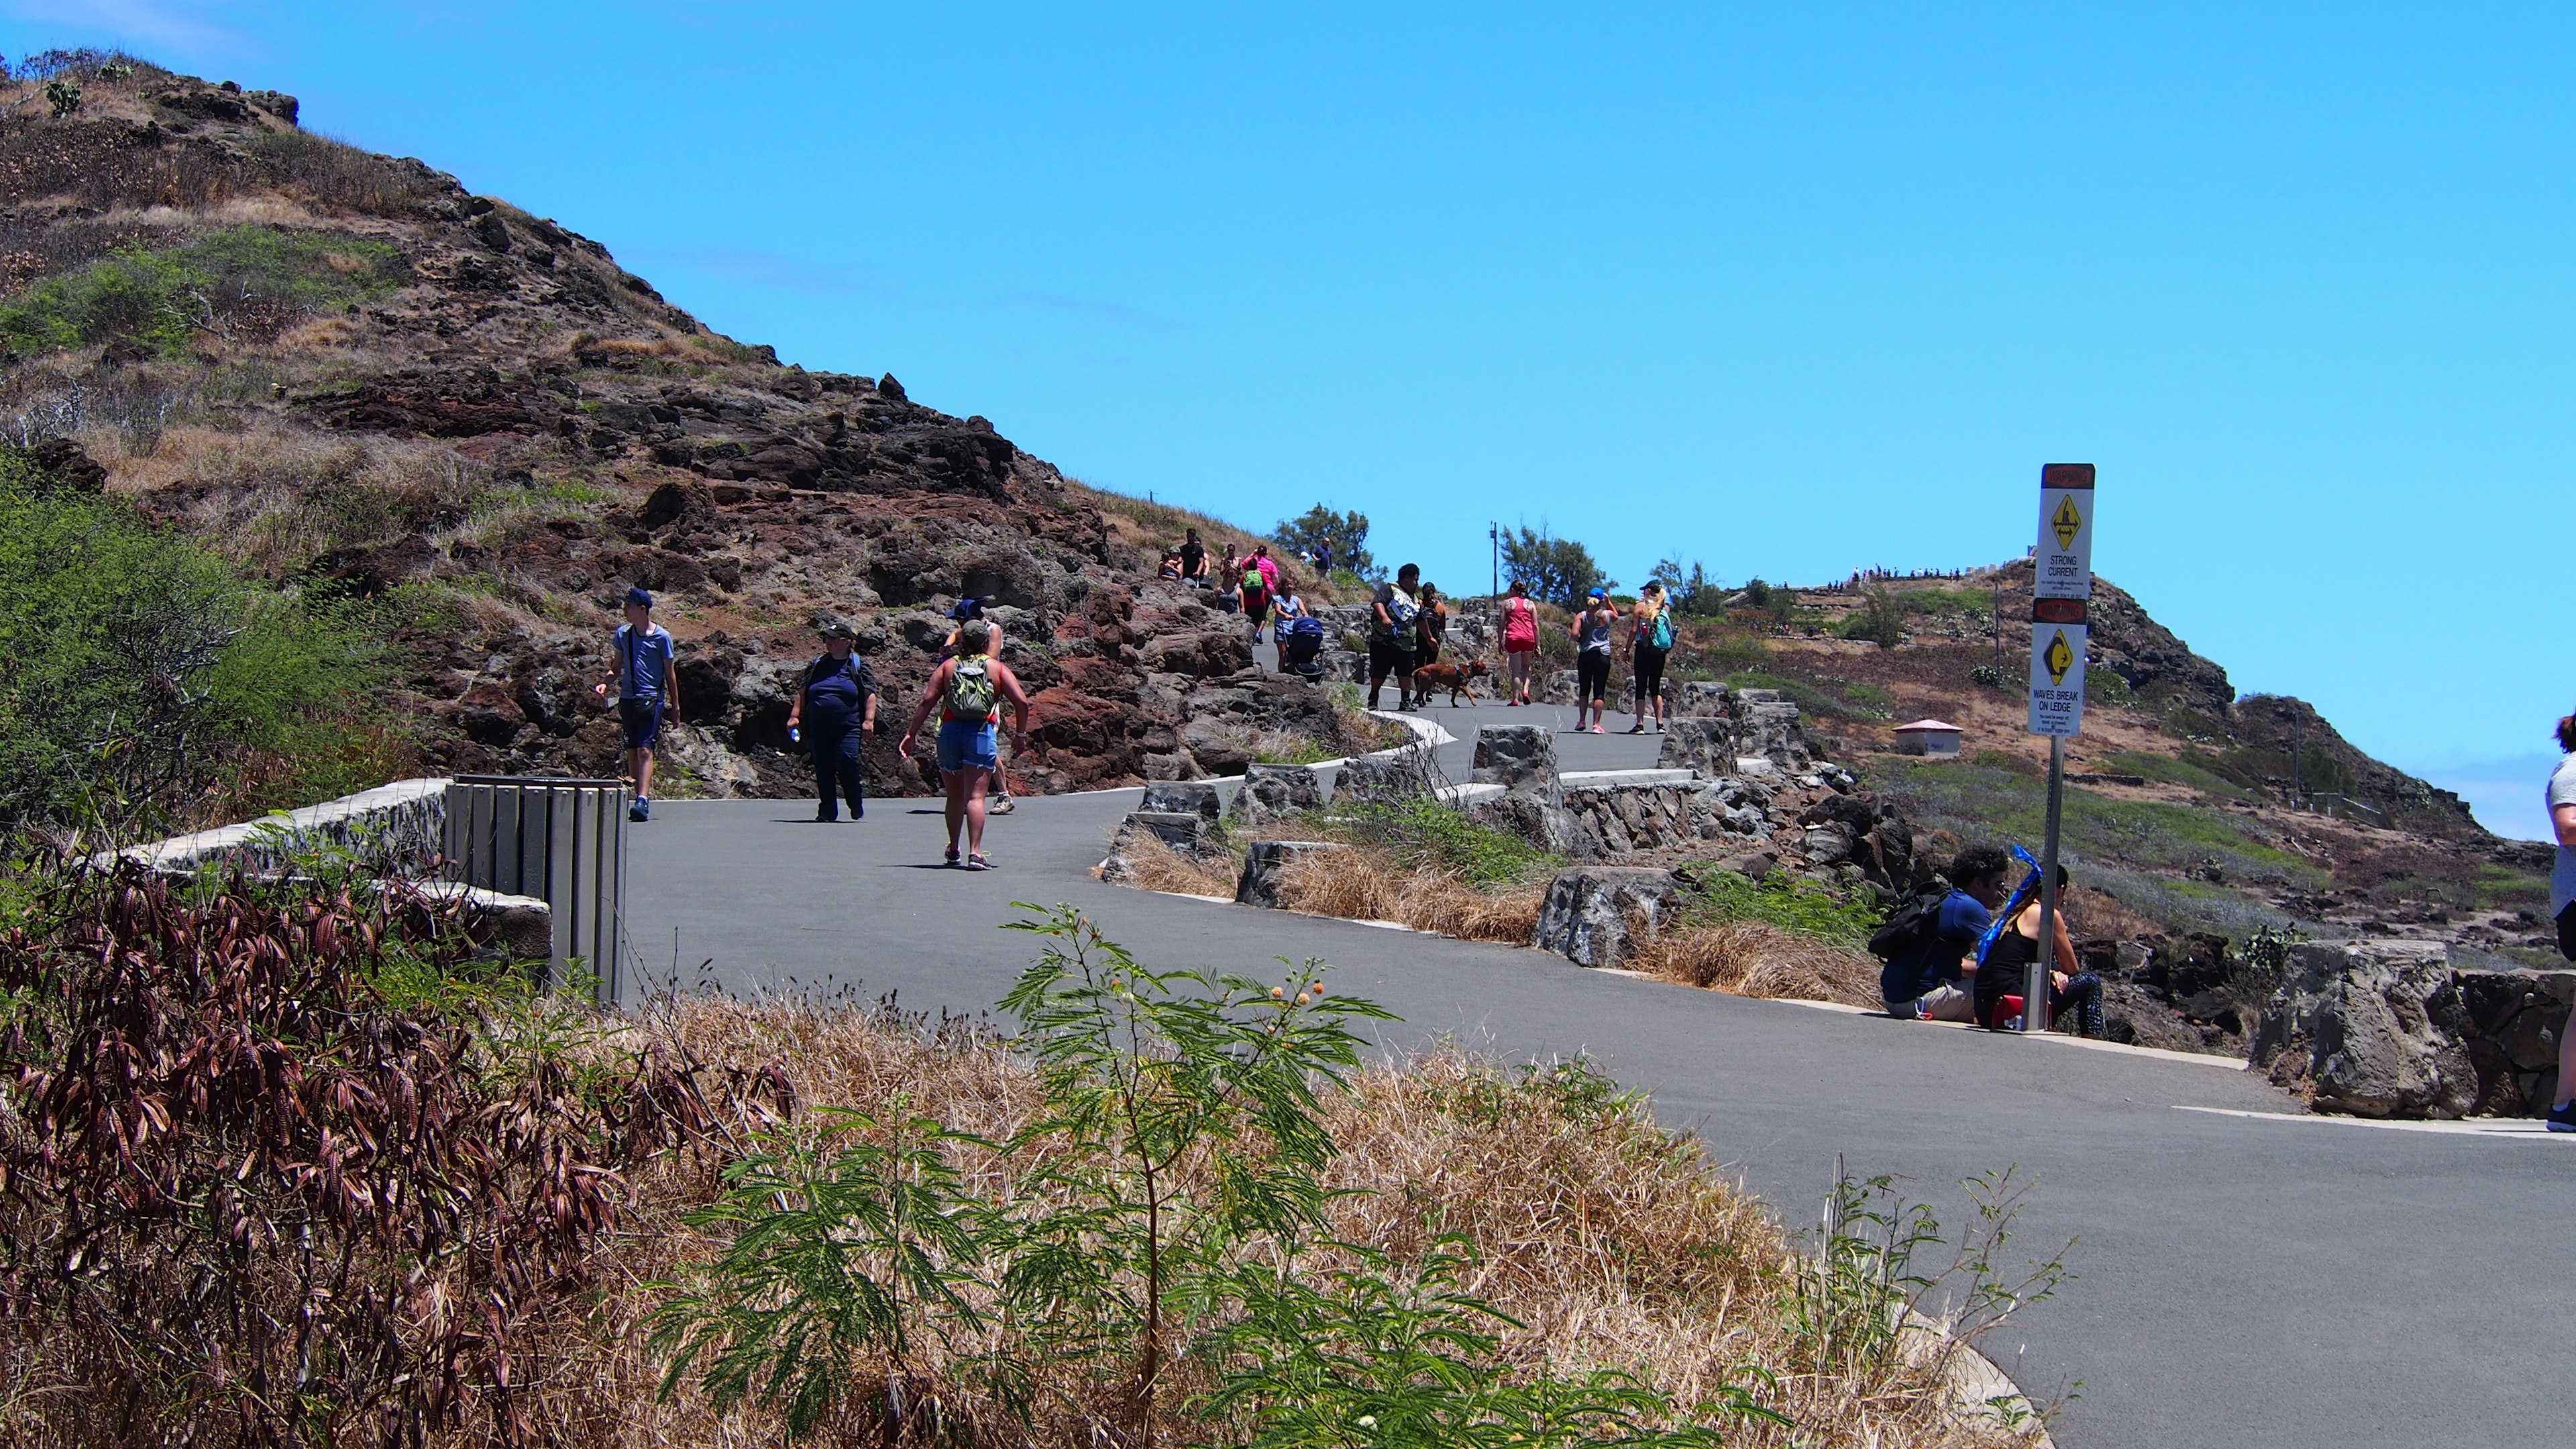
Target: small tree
{"type": "Point", "coordinates": [1691, 590]}
{"type": "Point", "coordinates": [64, 96]}
{"type": "Point", "coordinates": [1348, 531]}
{"type": "Point", "coordinates": [1556, 569]}
{"type": "Point", "coordinates": [1880, 620]}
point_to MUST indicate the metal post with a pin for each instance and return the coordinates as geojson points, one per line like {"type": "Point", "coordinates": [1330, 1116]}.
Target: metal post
{"type": "Point", "coordinates": [2034, 997]}
{"type": "Point", "coordinates": [1494, 536]}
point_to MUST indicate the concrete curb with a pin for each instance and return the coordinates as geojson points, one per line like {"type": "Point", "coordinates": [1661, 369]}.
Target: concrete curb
{"type": "Point", "coordinates": [1976, 1385]}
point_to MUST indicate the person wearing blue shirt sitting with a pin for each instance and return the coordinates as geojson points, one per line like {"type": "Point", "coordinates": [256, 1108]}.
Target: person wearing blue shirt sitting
{"type": "Point", "coordinates": [1924, 981]}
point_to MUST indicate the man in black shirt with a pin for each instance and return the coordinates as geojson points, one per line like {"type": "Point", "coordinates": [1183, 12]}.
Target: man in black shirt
{"type": "Point", "coordinates": [1194, 567]}
{"type": "Point", "coordinates": [836, 703]}
{"type": "Point", "coordinates": [1394, 614]}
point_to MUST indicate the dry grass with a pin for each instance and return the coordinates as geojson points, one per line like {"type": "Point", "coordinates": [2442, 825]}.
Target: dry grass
{"type": "Point", "coordinates": [1609, 1239]}
{"type": "Point", "coordinates": [1157, 867]}
{"type": "Point", "coordinates": [1755, 958]}
{"type": "Point", "coordinates": [1376, 889]}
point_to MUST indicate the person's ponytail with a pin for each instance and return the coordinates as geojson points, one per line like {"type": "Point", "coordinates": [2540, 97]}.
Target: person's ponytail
{"type": "Point", "coordinates": [2567, 734]}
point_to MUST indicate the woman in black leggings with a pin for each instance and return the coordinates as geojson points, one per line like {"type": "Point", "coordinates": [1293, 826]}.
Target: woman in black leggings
{"type": "Point", "coordinates": [2562, 904]}
{"type": "Point", "coordinates": [1648, 656]}
{"type": "Point", "coordinates": [2006, 972]}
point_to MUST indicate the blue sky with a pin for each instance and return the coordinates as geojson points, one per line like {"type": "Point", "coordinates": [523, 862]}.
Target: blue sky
{"type": "Point", "coordinates": [1787, 289]}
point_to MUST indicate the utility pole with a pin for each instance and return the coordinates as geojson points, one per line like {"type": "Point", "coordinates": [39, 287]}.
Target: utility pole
{"type": "Point", "coordinates": [1494, 536]}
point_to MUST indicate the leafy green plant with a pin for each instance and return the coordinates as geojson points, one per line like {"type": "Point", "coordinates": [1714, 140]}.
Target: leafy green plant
{"type": "Point", "coordinates": [1376, 1357]}
{"type": "Point", "coordinates": [845, 1243]}
{"type": "Point", "coordinates": [1880, 619]}
{"type": "Point", "coordinates": [64, 96]}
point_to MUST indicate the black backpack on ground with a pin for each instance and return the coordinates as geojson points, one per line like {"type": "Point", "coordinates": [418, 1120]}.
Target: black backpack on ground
{"type": "Point", "coordinates": [1911, 926]}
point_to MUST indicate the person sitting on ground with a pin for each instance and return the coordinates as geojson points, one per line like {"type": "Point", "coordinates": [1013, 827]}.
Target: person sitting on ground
{"type": "Point", "coordinates": [2562, 908]}
{"type": "Point", "coordinates": [1194, 560]}
{"type": "Point", "coordinates": [972, 608]}
{"type": "Point", "coordinates": [836, 708]}
{"type": "Point", "coordinates": [648, 692]}
{"type": "Point", "coordinates": [2006, 971]}
{"type": "Point", "coordinates": [1431, 623]}
{"type": "Point", "coordinates": [1392, 635]}
{"type": "Point", "coordinates": [1922, 982]}
{"type": "Point", "coordinates": [1650, 646]}
{"type": "Point", "coordinates": [968, 689]}
{"type": "Point", "coordinates": [1171, 569]}
{"type": "Point", "coordinates": [1593, 631]}
{"type": "Point", "coordinates": [1520, 641]}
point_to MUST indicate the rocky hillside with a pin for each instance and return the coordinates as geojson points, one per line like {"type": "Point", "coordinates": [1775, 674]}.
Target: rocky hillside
{"type": "Point", "coordinates": [362, 381]}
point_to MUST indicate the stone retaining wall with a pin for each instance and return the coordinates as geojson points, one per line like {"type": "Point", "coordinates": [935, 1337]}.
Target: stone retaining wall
{"type": "Point", "coordinates": [1615, 820]}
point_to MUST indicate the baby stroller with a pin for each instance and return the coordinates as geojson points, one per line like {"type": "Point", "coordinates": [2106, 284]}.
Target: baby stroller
{"type": "Point", "coordinates": [1301, 647]}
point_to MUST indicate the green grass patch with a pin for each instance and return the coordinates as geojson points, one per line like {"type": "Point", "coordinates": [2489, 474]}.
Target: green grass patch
{"type": "Point", "coordinates": [1983, 801]}
{"type": "Point", "coordinates": [1423, 833]}
{"type": "Point", "coordinates": [2502, 886]}
{"type": "Point", "coordinates": [2174, 771]}
{"type": "Point", "coordinates": [1724, 895]}
{"type": "Point", "coordinates": [164, 296]}
{"type": "Point", "coordinates": [1836, 701]}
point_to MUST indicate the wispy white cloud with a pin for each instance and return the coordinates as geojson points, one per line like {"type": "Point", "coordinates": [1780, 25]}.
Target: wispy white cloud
{"type": "Point", "coordinates": [157, 29]}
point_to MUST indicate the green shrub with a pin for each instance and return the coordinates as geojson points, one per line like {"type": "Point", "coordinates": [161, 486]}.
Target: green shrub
{"type": "Point", "coordinates": [139, 672]}
{"type": "Point", "coordinates": [163, 297]}
{"type": "Point", "coordinates": [1880, 619]}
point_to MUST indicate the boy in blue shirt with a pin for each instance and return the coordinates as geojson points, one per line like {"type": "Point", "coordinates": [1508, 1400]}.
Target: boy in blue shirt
{"type": "Point", "coordinates": [648, 690]}
{"type": "Point", "coordinates": [1924, 981]}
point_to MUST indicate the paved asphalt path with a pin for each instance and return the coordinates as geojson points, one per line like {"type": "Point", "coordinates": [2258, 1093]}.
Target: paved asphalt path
{"type": "Point", "coordinates": [2242, 1280]}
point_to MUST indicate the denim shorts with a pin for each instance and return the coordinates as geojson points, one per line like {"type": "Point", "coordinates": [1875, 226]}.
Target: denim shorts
{"type": "Point", "coordinates": [967, 745]}
{"type": "Point", "coordinates": [643, 721]}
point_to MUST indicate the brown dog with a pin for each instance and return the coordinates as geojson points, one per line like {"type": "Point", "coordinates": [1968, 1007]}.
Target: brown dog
{"type": "Point", "coordinates": [1451, 677]}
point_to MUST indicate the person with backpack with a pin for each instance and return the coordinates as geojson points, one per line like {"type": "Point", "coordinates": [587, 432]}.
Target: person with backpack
{"type": "Point", "coordinates": [1269, 567]}
{"type": "Point", "coordinates": [1651, 645]}
{"type": "Point", "coordinates": [1394, 636]}
{"type": "Point", "coordinates": [1593, 632]}
{"type": "Point", "coordinates": [1252, 593]}
{"type": "Point", "coordinates": [969, 689]}
{"type": "Point", "coordinates": [836, 710]}
{"type": "Point", "coordinates": [966, 609]}
{"type": "Point", "coordinates": [1520, 641]}
{"type": "Point", "coordinates": [2005, 971]}
{"type": "Point", "coordinates": [648, 692]}
{"type": "Point", "coordinates": [1925, 946]}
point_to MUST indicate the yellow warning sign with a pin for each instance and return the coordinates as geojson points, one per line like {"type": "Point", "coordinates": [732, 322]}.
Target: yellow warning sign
{"type": "Point", "coordinates": [2066, 522]}
{"type": "Point", "coordinates": [2059, 658]}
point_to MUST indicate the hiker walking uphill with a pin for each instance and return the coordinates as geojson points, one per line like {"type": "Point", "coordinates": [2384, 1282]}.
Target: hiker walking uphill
{"type": "Point", "coordinates": [1430, 627]}
{"type": "Point", "coordinates": [1253, 594]}
{"type": "Point", "coordinates": [648, 691]}
{"type": "Point", "coordinates": [1593, 635]}
{"type": "Point", "coordinates": [836, 709]}
{"type": "Point", "coordinates": [969, 690]}
{"type": "Point", "coordinates": [1650, 646]}
{"type": "Point", "coordinates": [1393, 613]}
{"type": "Point", "coordinates": [1520, 640]}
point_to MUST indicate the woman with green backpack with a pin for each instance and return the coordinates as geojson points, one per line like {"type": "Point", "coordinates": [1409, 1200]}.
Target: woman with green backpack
{"type": "Point", "coordinates": [1652, 645]}
{"type": "Point", "coordinates": [969, 690]}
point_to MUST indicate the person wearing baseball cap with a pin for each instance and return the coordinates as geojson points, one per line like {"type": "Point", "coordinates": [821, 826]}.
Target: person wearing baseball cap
{"type": "Point", "coordinates": [836, 708]}
{"type": "Point", "coordinates": [648, 691]}
{"type": "Point", "coordinates": [1592, 636]}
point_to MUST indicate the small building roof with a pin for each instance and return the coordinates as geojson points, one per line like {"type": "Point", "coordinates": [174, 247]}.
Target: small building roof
{"type": "Point", "coordinates": [1929, 726]}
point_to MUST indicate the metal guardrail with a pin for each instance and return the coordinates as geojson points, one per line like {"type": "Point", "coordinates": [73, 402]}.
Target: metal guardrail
{"type": "Point", "coordinates": [2325, 801]}
{"type": "Point", "coordinates": [559, 841]}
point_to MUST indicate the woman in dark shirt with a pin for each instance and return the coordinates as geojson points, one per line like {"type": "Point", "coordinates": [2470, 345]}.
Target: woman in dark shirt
{"type": "Point", "coordinates": [2006, 971]}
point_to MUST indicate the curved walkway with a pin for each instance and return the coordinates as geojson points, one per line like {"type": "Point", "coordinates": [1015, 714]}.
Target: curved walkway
{"type": "Point", "coordinates": [2243, 1278]}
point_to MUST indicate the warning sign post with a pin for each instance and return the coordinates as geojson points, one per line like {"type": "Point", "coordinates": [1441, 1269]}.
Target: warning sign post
{"type": "Point", "coordinates": [2061, 595]}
